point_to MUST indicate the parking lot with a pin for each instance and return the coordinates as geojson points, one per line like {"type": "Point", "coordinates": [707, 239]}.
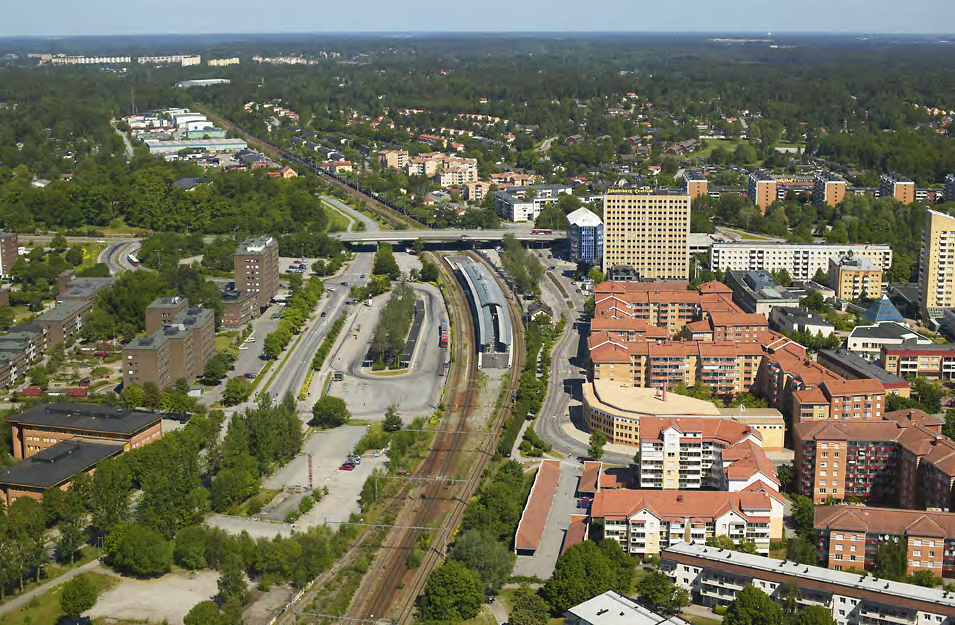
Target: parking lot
{"type": "Point", "coordinates": [166, 599]}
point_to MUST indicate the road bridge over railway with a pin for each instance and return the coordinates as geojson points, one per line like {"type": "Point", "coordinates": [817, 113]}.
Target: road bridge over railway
{"type": "Point", "coordinates": [437, 236]}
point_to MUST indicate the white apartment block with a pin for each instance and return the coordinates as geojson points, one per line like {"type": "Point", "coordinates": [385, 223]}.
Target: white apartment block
{"type": "Point", "coordinates": [801, 260]}
{"type": "Point", "coordinates": [183, 59]}
{"type": "Point", "coordinates": [89, 60]}
{"type": "Point", "coordinates": [714, 577]}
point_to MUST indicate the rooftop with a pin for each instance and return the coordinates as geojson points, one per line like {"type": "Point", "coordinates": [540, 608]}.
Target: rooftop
{"type": "Point", "coordinates": [530, 529]}
{"type": "Point", "coordinates": [675, 505]}
{"type": "Point", "coordinates": [58, 463]}
{"type": "Point", "coordinates": [583, 218]}
{"type": "Point", "coordinates": [889, 330]}
{"type": "Point", "coordinates": [611, 608]}
{"type": "Point", "coordinates": [169, 302]}
{"type": "Point", "coordinates": [63, 310]}
{"type": "Point", "coordinates": [858, 365]}
{"type": "Point", "coordinates": [254, 246]}
{"type": "Point", "coordinates": [85, 417]}
{"type": "Point", "coordinates": [803, 315]}
{"type": "Point", "coordinates": [856, 263]}
{"type": "Point", "coordinates": [939, 599]}
{"type": "Point", "coordinates": [633, 402]}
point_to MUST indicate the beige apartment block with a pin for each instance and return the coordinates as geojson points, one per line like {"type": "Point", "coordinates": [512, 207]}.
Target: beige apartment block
{"type": "Point", "coordinates": [647, 230]}
{"type": "Point", "coordinates": [937, 265]}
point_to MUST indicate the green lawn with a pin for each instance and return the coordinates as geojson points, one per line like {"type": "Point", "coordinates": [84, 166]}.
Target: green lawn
{"type": "Point", "coordinates": [700, 620]}
{"type": "Point", "coordinates": [90, 253]}
{"type": "Point", "coordinates": [46, 607]}
{"type": "Point", "coordinates": [224, 339]}
{"type": "Point", "coordinates": [53, 570]}
{"type": "Point", "coordinates": [337, 221]}
{"type": "Point", "coordinates": [711, 144]}
{"type": "Point", "coordinates": [484, 617]}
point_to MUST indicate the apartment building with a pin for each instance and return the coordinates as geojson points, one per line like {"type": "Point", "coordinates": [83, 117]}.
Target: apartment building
{"type": "Point", "coordinates": [585, 237]}
{"type": "Point", "coordinates": [513, 179]}
{"type": "Point", "coordinates": [937, 265]}
{"type": "Point", "coordinates": [667, 305]}
{"type": "Point", "coordinates": [85, 60]}
{"type": "Point", "coordinates": [727, 368]}
{"type": "Point", "coordinates": [162, 311]}
{"type": "Point", "coordinates": [695, 184]}
{"type": "Point", "coordinates": [223, 62]}
{"type": "Point", "coordinates": [714, 576]}
{"type": "Point", "coordinates": [868, 341]}
{"type": "Point", "coordinates": [848, 537]}
{"type": "Point", "coordinates": [761, 189]}
{"type": "Point", "coordinates": [182, 59]}
{"type": "Point", "coordinates": [256, 263]}
{"type": "Point", "coordinates": [801, 260]}
{"type": "Point", "coordinates": [64, 320]}
{"type": "Point", "coordinates": [786, 370]}
{"type": "Point", "coordinates": [646, 522]}
{"type": "Point", "coordinates": [950, 188]}
{"type": "Point", "coordinates": [758, 292]}
{"type": "Point", "coordinates": [612, 608]}
{"type": "Point", "coordinates": [828, 189]}
{"type": "Point", "coordinates": [178, 348]}
{"type": "Point", "coordinates": [20, 348]}
{"type": "Point", "coordinates": [647, 230]}
{"type": "Point", "coordinates": [45, 425]}
{"type": "Point", "coordinates": [238, 308]}
{"type": "Point", "coordinates": [855, 400]}
{"type": "Point", "coordinates": [618, 410]}
{"type": "Point", "coordinates": [475, 191]}
{"type": "Point", "coordinates": [520, 204]}
{"type": "Point", "coordinates": [902, 460]}
{"type": "Point", "coordinates": [854, 367]}
{"type": "Point", "coordinates": [9, 252]}
{"type": "Point", "coordinates": [936, 362]}
{"type": "Point", "coordinates": [690, 453]}
{"type": "Point", "coordinates": [853, 278]}
{"type": "Point", "coordinates": [897, 187]}
{"type": "Point", "coordinates": [431, 165]}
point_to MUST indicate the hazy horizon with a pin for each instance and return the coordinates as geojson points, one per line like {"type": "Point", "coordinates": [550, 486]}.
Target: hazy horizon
{"type": "Point", "coordinates": [62, 18]}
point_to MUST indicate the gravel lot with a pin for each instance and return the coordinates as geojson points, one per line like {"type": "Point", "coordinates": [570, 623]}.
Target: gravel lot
{"type": "Point", "coordinates": [169, 597]}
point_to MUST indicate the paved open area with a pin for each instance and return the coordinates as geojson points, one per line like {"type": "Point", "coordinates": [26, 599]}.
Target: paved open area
{"type": "Point", "coordinates": [542, 563]}
{"type": "Point", "coordinates": [166, 599]}
{"type": "Point", "coordinates": [328, 449]}
{"type": "Point", "coordinates": [417, 391]}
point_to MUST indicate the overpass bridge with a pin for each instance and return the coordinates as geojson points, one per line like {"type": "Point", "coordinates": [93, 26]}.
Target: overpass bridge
{"type": "Point", "coordinates": [446, 236]}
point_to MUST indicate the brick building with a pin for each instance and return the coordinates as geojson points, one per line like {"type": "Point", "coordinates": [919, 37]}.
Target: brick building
{"type": "Point", "coordinates": [936, 362]}
{"type": "Point", "coordinates": [9, 252]}
{"type": "Point", "coordinates": [45, 425]}
{"type": "Point", "coordinates": [256, 263]}
{"type": "Point", "coordinates": [238, 308]}
{"type": "Point", "coordinates": [64, 320]}
{"type": "Point", "coordinates": [847, 537]}
{"type": "Point", "coordinates": [180, 342]}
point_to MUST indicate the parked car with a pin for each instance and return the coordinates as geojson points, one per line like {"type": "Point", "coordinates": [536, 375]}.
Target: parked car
{"type": "Point", "coordinates": [347, 467]}
{"type": "Point", "coordinates": [344, 282]}
{"type": "Point", "coordinates": [249, 376]}
{"type": "Point", "coordinates": [279, 315]}
{"type": "Point", "coordinates": [251, 339]}
{"type": "Point", "coordinates": [243, 347]}
{"type": "Point", "coordinates": [323, 314]}
{"type": "Point", "coordinates": [584, 503]}
{"type": "Point", "coordinates": [354, 459]}
{"type": "Point", "coordinates": [362, 275]}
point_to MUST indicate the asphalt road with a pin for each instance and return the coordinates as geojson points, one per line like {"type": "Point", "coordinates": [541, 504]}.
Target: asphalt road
{"type": "Point", "coordinates": [296, 367]}
{"type": "Point", "coordinates": [370, 224]}
{"type": "Point", "coordinates": [568, 358]}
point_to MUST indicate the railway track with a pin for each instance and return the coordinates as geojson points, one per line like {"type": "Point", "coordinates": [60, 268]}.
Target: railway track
{"type": "Point", "coordinates": [372, 204]}
{"type": "Point", "coordinates": [400, 606]}
{"type": "Point", "coordinates": [382, 589]}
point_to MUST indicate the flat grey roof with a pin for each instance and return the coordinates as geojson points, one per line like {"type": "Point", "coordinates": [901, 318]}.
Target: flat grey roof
{"type": "Point", "coordinates": [944, 600]}
{"type": "Point", "coordinates": [153, 341]}
{"type": "Point", "coordinates": [803, 314]}
{"type": "Point", "coordinates": [88, 417]}
{"type": "Point", "coordinates": [168, 302]}
{"type": "Point", "coordinates": [254, 246]}
{"type": "Point", "coordinates": [858, 363]}
{"type": "Point", "coordinates": [58, 463]}
{"type": "Point", "coordinates": [63, 310]}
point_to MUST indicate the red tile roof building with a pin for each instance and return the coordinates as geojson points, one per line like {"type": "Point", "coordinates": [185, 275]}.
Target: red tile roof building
{"type": "Point", "coordinates": [903, 460]}
{"type": "Point", "coordinates": [645, 522]}
{"type": "Point", "coordinates": [848, 537]}
{"type": "Point", "coordinates": [530, 529]}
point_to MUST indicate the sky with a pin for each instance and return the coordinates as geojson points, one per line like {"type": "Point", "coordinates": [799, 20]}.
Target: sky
{"type": "Point", "coordinates": [114, 17]}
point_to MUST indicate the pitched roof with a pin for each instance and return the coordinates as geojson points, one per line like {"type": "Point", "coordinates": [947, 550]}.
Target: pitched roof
{"type": "Point", "coordinates": [590, 478]}
{"type": "Point", "coordinates": [679, 505]}
{"type": "Point", "coordinates": [853, 387]}
{"type": "Point", "coordinates": [882, 310]}
{"type": "Point", "coordinates": [530, 529]}
{"type": "Point", "coordinates": [891, 521]}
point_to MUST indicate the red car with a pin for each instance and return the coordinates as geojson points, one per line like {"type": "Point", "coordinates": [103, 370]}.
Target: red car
{"type": "Point", "coordinates": [347, 467]}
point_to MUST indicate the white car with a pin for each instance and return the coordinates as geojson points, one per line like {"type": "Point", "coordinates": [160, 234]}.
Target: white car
{"type": "Point", "coordinates": [251, 339]}
{"type": "Point", "coordinates": [243, 347]}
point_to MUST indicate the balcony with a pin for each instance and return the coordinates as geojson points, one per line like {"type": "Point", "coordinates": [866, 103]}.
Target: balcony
{"type": "Point", "coordinates": [873, 615]}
